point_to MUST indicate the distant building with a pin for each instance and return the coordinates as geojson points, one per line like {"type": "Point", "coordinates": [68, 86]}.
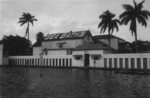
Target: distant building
{"type": "Point", "coordinates": [115, 42]}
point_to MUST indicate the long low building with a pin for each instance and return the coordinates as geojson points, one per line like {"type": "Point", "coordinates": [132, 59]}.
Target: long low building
{"type": "Point", "coordinates": [77, 49]}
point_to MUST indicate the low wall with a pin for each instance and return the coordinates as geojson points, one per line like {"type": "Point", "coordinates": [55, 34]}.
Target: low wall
{"type": "Point", "coordinates": [63, 61]}
{"type": "Point", "coordinates": [130, 61]}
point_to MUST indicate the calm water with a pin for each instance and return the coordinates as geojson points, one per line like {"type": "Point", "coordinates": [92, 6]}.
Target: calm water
{"type": "Point", "coordinates": [21, 82]}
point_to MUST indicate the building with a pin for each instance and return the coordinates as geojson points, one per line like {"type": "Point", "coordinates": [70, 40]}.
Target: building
{"type": "Point", "coordinates": [64, 43]}
{"type": "Point", "coordinates": [79, 49]}
{"type": "Point", "coordinates": [115, 42]}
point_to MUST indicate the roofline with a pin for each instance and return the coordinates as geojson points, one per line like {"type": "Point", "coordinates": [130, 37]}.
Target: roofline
{"type": "Point", "coordinates": [112, 38]}
{"type": "Point", "coordinates": [61, 39]}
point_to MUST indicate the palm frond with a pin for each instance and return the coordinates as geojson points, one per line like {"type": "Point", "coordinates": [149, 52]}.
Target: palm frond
{"type": "Point", "coordinates": [145, 13]}
{"type": "Point", "coordinates": [34, 19]}
{"type": "Point", "coordinates": [140, 5]}
{"type": "Point", "coordinates": [31, 21]}
{"type": "Point", "coordinates": [124, 14]}
{"type": "Point", "coordinates": [101, 23]}
{"type": "Point", "coordinates": [142, 20]}
{"type": "Point", "coordinates": [23, 23]}
{"type": "Point", "coordinates": [127, 7]}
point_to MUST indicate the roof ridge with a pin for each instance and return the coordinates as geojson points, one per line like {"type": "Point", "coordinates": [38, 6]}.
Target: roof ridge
{"type": "Point", "coordinates": [69, 32]}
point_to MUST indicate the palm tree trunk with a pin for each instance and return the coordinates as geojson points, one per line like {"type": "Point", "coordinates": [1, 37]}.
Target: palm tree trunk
{"type": "Point", "coordinates": [109, 39]}
{"type": "Point", "coordinates": [136, 48]}
{"type": "Point", "coordinates": [28, 30]}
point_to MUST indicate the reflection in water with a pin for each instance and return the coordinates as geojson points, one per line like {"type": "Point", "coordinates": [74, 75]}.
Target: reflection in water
{"type": "Point", "coordinates": [71, 83]}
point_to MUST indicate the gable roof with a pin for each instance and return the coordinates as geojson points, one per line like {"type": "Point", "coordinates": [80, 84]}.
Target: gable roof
{"type": "Point", "coordinates": [68, 35]}
{"type": "Point", "coordinates": [107, 36]}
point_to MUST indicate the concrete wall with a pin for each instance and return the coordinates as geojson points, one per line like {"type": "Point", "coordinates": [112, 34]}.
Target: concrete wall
{"type": "Point", "coordinates": [114, 43]}
{"type": "Point", "coordinates": [37, 50]}
{"type": "Point", "coordinates": [99, 63]}
{"type": "Point", "coordinates": [55, 60]}
{"type": "Point", "coordinates": [134, 61]}
{"type": "Point", "coordinates": [1, 54]}
{"type": "Point", "coordinates": [69, 44]}
{"type": "Point", "coordinates": [57, 52]}
{"type": "Point", "coordinates": [129, 61]}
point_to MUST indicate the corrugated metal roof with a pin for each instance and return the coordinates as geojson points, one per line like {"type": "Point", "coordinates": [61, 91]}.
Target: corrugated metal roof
{"type": "Point", "coordinates": [68, 35]}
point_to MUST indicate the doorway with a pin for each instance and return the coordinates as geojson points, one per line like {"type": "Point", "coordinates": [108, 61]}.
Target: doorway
{"type": "Point", "coordinates": [86, 60]}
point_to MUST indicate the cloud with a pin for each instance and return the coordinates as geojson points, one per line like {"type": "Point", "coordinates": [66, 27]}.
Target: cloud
{"type": "Point", "coordinates": [66, 26]}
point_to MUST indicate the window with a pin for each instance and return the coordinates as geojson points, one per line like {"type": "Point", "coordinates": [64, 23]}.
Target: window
{"type": "Point", "coordinates": [95, 56]}
{"type": "Point", "coordinates": [77, 57]}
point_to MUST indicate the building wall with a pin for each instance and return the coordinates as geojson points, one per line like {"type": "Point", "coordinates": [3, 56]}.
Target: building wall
{"type": "Point", "coordinates": [129, 61]}
{"type": "Point", "coordinates": [1, 54]}
{"type": "Point", "coordinates": [80, 63]}
{"type": "Point", "coordinates": [87, 40]}
{"type": "Point", "coordinates": [114, 43]}
{"type": "Point", "coordinates": [37, 50]}
{"type": "Point", "coordinates": [57, 52]}
{"type": "Point", "coordinates": [68, 44]}
{"type": "Point", "coordinates": [45, 60]}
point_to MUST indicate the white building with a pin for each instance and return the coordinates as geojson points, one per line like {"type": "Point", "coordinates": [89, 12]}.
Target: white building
{"type": "Point", "coordinates": [115, 42]}
{"type": "Point", "coordinates": [63, 43]}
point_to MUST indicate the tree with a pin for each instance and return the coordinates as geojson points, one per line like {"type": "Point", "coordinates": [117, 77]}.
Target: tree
{"type": "Point", "coordinates": [142, 46]}
{"type": "Point", "coordinates": [108, 22]}
{"type": "Point", "coordinates": [16, 45]}
{"type": "Point", "coordinates": [133, 14]}
{"type": "Point", "coordinates": [39, 37]}
{"type": "Point", "coordinates": [27, 18]}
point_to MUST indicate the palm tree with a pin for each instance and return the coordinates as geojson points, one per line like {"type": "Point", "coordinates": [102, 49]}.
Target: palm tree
{"type": "Point", "coordinates": [27, 18]}
{"type": "Point", "coordinates": [108, 22]}
{"type": "Point", "coordinates": [133, 14]}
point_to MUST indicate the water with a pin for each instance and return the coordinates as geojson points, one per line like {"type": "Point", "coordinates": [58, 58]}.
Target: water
{"type": "Point", "coordinates": [22, 82]}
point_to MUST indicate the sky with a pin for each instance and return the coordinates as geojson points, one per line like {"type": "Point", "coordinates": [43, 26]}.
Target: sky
{"type": "Point", "coordinates": [61, 16]}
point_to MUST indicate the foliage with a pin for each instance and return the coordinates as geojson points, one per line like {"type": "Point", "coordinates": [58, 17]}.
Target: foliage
{"type": "Point", "coordinates": [27, 18]}
{"type": "Point", "coordinates": [108, 22]}
{"type": "Point", "coordinates": [39, 37]}
{"type": "Point", "coordinates": [143, 46]}
{"type": "Point", "coordinates": [16, 45]}
{"type": "Point", "coordinates": [133, 14]}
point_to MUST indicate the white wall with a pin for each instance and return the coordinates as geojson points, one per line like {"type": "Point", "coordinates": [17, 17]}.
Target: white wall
{"type": "Point", "coordinates": [138, 57]}
{"type": "Point", "coordinates": [114, 42]}
{"type": "Point", "coordinates": [99, 63]}
{"type": "Point", "coordinates": [45, 60]}
{"type": "Point", "coordinates": [57, 52]}
{"type": "Point", "coordinates": [69, 44]}
{"type": "Point", "coordinates": [1, 54]}
{"type": "Point", "coordinates": [37, 50]}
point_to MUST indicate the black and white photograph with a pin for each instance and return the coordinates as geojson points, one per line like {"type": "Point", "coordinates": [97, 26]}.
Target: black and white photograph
{"type": "Point", "coordinates": [74, 48]}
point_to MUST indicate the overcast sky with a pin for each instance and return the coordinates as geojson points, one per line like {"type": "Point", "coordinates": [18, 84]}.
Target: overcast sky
{"type": "Point", "coordinates": [58, 16]}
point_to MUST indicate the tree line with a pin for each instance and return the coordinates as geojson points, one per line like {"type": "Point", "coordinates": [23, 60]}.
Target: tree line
{"type": "Point", "coordinates": [17, 45]}
{"type": "Point", "coordinates": [132, 15]}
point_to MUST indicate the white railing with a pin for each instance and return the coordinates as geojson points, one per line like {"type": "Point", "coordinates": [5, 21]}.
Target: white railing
{"type": "Point", "coordinates": [63, 61]}
{"type": "Point", "coordinates": [131, 61]}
